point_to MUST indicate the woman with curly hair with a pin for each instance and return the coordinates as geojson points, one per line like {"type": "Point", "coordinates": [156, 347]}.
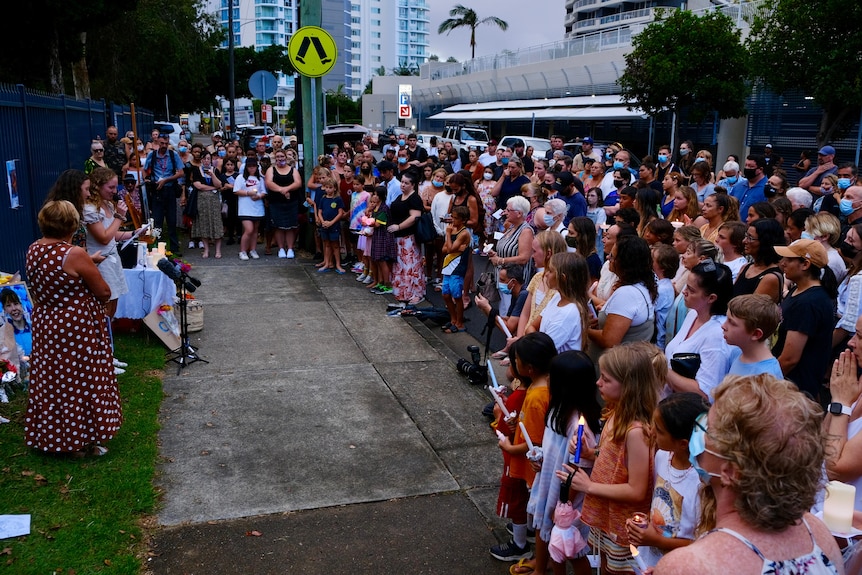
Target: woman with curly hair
{"type": "Point", "coordinates": [685, 206]}
{"type": "Point", "coordinates": [629, 314]}
{"type": "Point", "coordinates": [73, 186]}
{"type": "Point", "coordinates": [761, 450]}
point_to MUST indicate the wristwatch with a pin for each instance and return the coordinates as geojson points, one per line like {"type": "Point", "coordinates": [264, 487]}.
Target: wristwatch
{"type": "Point", "coordinates": [836, 408]}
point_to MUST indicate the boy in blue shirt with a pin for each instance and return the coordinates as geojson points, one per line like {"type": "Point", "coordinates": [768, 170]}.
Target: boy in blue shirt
{"type": "Point", "coordinates": [751, 321]}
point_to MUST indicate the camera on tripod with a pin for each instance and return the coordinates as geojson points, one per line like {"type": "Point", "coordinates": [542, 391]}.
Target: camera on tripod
{"type": "Point", "coordinates": [476, 373]}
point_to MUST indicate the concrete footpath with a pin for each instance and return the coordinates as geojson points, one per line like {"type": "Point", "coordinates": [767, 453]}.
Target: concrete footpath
{"type": "Point", "coordinates": [323, 437]}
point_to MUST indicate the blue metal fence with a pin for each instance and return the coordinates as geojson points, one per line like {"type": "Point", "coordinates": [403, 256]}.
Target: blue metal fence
{"type": "Point", "coordinates": [46, 134]}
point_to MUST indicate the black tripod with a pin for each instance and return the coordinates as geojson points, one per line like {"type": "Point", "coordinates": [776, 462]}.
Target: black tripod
{"type": "Point", "coordinates": [184, 355]}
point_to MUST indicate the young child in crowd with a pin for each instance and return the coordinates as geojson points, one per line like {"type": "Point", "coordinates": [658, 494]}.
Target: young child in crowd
{"type": "Point", "coordinates": [383, 246]}
{"type": "Point", "coordinates": [329, 212]}
{"type": "Point", "coordinates": [621, 483]}
{"type": "Point", "coordinates": [675, 508]}
{"type": "Point", "coordinates": [531, 355]}
{"type": "Point", "coordinates": [665, 263]}
{"type": "Point", "coordinates": [456, 242]}
{"type": "Point", "coordinates": [751, 321]}
{"type": "Point", "coordinates": [313, 195]}
{"type": "Point", "coordinates": [567, 405]}
{"type": "Point", "coordinates": [358, 207]}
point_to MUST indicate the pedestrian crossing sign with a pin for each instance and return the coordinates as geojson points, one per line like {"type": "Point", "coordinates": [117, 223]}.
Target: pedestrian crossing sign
{"type": "Point", "coordinates": [312, 51]}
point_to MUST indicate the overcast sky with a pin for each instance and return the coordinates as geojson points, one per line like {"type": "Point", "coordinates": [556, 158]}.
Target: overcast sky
{"type": "Point", "coordinates": [531, 22]}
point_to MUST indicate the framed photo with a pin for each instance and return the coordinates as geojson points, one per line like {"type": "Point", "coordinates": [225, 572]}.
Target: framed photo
{"type": "Point", "coordinates": [17, 309]}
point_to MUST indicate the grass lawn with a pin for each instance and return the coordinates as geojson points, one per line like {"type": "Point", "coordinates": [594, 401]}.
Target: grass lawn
{"type": "Point", "coordinates": [87, 515]}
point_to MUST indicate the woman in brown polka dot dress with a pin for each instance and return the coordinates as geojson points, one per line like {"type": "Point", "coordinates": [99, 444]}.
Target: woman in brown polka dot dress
{"type": "Point", "coordinates": [73, 404]}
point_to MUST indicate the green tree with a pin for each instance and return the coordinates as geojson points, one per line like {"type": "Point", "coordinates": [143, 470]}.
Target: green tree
{"type": "Point", "coordinates": [405, 69]}
{"type": "Point", "coordinates": [247, 61]}
{"type": "Point", "coordinates": [463, 17]}
{"type": "Point", "coordinates": [814, 47]}
{"type": "Point", "coordinates": [687, 62]}
{"type": "Point", "coordinates": [341, 109]}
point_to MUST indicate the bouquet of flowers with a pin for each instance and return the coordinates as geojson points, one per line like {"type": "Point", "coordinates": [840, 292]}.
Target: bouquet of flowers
{"type": "Point", "coordinates": [8, 376]}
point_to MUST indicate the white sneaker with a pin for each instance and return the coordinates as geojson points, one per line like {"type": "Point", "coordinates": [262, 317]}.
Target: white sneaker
{"type": "Point", "coordinates": [361, 278]}
{"type": "Point", "coordinates": [281, 253]}
{"type": "Point", "coordinates": [253, 254]}
{"type": "Point", "coordinates": [3, 397]}
{"type": "Point", "coordinates": [191, 245]}
{"type": "Point", "coordinates": [290, 254]}
{"type": "Point", "coordinates": [118, 363]}
{"type": "Point", "coordinates": [243, 256]}
{"type": "Point", "coordinates": [368, 280]}
{"type": "Point", "coordinates": [201, 244]}
{"type": "Point", "coordinates": [119, 371]}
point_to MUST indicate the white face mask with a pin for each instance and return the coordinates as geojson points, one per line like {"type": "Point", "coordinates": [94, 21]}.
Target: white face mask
{"type": "Point", "coordinates": [487, 175]}
{"type": "Point", "coordinates": [141, 148]}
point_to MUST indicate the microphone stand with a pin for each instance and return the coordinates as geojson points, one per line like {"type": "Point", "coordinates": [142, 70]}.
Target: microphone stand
{"type": "Point", "coordinates": [184, 355]}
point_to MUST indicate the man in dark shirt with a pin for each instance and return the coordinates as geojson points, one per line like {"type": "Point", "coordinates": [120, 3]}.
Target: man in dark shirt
{"type": "Point", "coordinates": [510, 183]}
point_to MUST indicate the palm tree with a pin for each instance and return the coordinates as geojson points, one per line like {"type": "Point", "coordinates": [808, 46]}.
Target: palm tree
{"type": "Point", "coordinates": [463, 16]}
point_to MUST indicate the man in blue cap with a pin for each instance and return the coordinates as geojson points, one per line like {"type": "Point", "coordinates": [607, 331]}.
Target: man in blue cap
{"type": "Point", "coordinates": [587, 151]}
{"type": "Point", "coordinates": [825, 166]}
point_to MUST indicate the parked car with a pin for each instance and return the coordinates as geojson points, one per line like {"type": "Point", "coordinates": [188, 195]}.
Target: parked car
{"type": "Point", "coordinates": [466, 137]}
{"type": "Point", "coordinates": [424, 140]}
{"type": "Point", "coordinates": [575, 149]}
{"type": "Point", "coordinates": [540, 145]}
{"type": "Point", "coordinates": [335, 135]}
{"type": "Point", "coordinates": [174, 131]}
{"type": "Point", "coordinates": [252, 134]}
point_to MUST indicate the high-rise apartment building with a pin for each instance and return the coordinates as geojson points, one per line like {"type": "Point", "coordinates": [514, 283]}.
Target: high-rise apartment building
{"type": "Point", "coordinates": [586, 16]}
{"type": "Point", "coordinates": [386, 34]}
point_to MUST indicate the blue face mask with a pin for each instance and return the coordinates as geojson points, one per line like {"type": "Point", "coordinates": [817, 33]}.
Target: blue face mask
{"type": "Point", "coordinates": [806, 236]}
{"type": "Point", "coordinates": [843, 183]}
{"type": "Point", "coordinates": [402, 160]}
{"type": "Point", "coordinates": [222, 153]}
{"type": "Point", "coordinates": [549, 220]}
{"type": "Point", "coordinates": [846, 207]}
{"type": "Point", "coordinates": [609, 156]}
{"type": "Point", "coordinates": [401, 142]}
{"type": "Point", "coordinates": [662, 158]}
{"type": "Point", "coordinates": [618, 165]}
{"type": "Point", "coordinates": [697, 160]}
{"type": "Point", "coordinates": [504, 288]}
{"type": "Point", "coordinates": [696, 446]}
{"type": "Point", "coordinates": [183, 149]}
{"type": "Point", "coordinates": [732, 179]}
{"type": "Point", "coordinates": [505, 161]}
{"type": "Point", "coordinates": [683, 152]}
{"type": "Point", "coordinates": [437, 184]}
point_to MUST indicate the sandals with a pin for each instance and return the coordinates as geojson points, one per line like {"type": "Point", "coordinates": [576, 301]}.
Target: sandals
{"type": "Point", "coordinates": [454, 329]}
{"type": "Point", "coordinates": [521, 568]}
{"type": "Point", "coordinates": [500, 354]}
{"type": "Point", "coordinates": [446, 326]}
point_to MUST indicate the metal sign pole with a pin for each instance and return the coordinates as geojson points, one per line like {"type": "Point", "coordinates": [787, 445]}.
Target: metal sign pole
{"type": "Point", "coordinates": [314, 119]}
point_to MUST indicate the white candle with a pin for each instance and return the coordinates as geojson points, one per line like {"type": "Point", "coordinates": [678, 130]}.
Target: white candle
{"type": "Point", "coordinates": [638, 559]}
{"type": "Point", "coordinates": [493, 377]}
{"type": "Point", "coordinates": [499, 401]}
{"type": "Point", "coordinates": [162, 246]}
{"type": "Point", "coordinates": [838, 507]}
{"type": "Point", "coordinates": [504, 327]}
{"type": "Point", "coordinates": [526, 436]}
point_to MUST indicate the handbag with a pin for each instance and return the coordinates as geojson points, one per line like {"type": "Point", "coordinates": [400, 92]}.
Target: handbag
{"type": "Point", "coordinates": [425, 232]}
{"type": "Point", "coordinates": [487, 284]}
{"type": "Point", "coordinates": [685, 364]}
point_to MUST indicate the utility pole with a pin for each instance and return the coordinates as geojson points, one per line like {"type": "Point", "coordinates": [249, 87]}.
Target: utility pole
{"type": "Point", "coordinates": [310, 14]}
{"type": "Point", "coordinates": [231, 90]}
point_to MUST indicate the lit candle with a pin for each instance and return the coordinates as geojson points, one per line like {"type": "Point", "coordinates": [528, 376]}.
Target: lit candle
{"type": "Point", "coordinates": [526, 436]}
{"type": "Point", "coordinates": [493, 377]}
{"type": "Point", "coordinates": [161, 246]}
{"type": "Point", "coordinates": [576, 458]}
{"type": "Point", "coordinates": [499, 401]}
{"type": "Point", "coordinates": [838, 507]}
{"type": "Point", "coordinates": [642, 566]}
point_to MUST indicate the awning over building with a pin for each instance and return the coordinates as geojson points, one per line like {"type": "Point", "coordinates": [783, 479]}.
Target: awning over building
{"type": "Point", "coordinates": [578, 108]}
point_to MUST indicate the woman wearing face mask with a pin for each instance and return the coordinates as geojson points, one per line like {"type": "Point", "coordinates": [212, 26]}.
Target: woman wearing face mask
{"type": "Point", "coordinates": [729, 175]}
{"type": "Point", "coordinates": [849, 307]}
{"type": "Point", "coordinates": [284, 192]}
{"type": "Point", "coordinates": [831, 195]}
{"type": "Point", "coordinates": [228, 175]}
{"type": "Point", "coordinates": [582, 236]}
{"type": "Point", "coordinates": [219, 156]}
{"type": "Point", "coordinates": [700, 175]}
{"type": "Point", "coordinates": [489, 202]}
{"type": "Point", "coordinates": [686, 157]}
{"type": "Point", "coordinates": [761, 436]}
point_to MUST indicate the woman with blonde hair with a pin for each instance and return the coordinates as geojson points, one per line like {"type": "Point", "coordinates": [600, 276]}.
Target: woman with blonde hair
{"type": "Point", "coordinates": [761, 450]}
{"type": "Point", "coordinates": [685, 206]}
{"type": "Point", "coordinates": [564, 319]}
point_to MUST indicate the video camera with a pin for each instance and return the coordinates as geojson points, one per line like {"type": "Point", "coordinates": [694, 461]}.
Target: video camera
{"type": "Point", "coordinates": [476, 373]}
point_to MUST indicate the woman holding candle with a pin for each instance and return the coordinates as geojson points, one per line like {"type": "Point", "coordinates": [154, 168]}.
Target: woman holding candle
{"type": "Point", "coordinates": [676, 496]}
{"type": "Point", "coordinates": [565, 316]}
{"type": "Point", "coordinates": [573, 411]}
{"type": "Point", "coordinates": [531, 356]}
{"type": "Point", "coordinates": [622, 479]}
{"type": "Point", "coordinates": [761, 449]}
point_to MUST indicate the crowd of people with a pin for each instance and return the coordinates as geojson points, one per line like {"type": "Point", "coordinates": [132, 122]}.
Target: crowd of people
{"type": "Point", "coordinates": [709, 309]}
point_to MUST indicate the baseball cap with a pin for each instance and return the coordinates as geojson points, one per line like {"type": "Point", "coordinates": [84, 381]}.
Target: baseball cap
{"type": "Point", "coordinates": [385, 165]}
{"type": "Point", "coordinates": [587, 140]}
{"type": "Point", "coordinates": [563, 181]}
{"type": "Point", "coordinates": [291, 139]}
{"type": "Point", "coordinates": [218, 133]}
{"type": "Point", "coordinates": [130, 178]}
{"type": "Point", "coordinates": [492, 142]}
{"type": "Point", "coordinates": [768, 146]}
{"type": "Point", "coordinates": [826, 151]}
{"type": "Point", "coordinates": [811, 250]}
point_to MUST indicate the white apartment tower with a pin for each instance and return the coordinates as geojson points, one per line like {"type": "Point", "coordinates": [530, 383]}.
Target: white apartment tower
{"type": "Point", "coordinates": [386, 34]}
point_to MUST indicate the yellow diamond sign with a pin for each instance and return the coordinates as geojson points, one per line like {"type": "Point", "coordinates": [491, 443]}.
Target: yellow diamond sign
{"type": "Point", "coordinates": [312, 51]}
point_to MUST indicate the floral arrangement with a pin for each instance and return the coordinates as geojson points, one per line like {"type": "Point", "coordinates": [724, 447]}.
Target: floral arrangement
{"type": "Point", "coordinates": [8, 371]}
